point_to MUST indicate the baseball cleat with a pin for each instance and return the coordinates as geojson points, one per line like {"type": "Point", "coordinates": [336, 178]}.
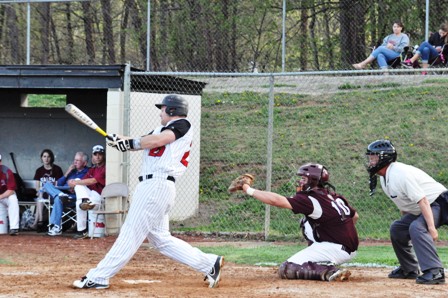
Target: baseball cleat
{"type": "Point", "coordinates": [14, 232]}
{"type": "Point", "coordinates": [430, 277]}
{"type": "Point", "coordinates": [85, 283]}
{"type": "Point", "coordinates": [86, 205]}
{"type": "Point", "coordinates": [340, 275]}
{"type": "Point", "coordinates": [55, 231]}
{"type": "Point", "coordinates": [81, 234]}
{"type": "Point", "coordinates": [215, 274]}
{"type": "Point", "coordinates": [401, 274]}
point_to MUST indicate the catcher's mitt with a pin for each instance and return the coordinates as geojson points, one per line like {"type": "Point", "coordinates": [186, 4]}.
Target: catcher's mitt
{"type": "Point", "coordinates": [237, 184]}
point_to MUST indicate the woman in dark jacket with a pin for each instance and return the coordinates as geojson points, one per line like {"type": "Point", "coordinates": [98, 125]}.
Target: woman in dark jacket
{"type": "Point", "coordinates": [429, 49]}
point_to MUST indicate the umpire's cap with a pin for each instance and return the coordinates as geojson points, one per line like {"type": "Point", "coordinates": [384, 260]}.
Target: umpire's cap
{"type": "Point", "coordinates": [175, 104]}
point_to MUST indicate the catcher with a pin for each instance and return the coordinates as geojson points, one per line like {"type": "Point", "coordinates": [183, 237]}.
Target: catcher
{"type": "Point", "coordinates": [328, 225]}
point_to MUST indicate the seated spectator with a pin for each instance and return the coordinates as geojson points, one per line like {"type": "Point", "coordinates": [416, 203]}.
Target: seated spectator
{"type": "Point", "coordinates": [77, 169]}
{"type": "Point", "coordinates": [390, 49]}
{"type": "Point", "coordinates": [47, 173]}
{"type": "Point", "coordinates": [88, 189]}
{"type": "Point", "coordinates": [8, 198]}
{"type": "Point", "coordinates": [429, 50]}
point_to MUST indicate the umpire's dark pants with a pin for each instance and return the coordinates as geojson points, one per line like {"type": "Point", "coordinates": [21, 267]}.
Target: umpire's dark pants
{"type": "Point", "coordinates": [411, 233]}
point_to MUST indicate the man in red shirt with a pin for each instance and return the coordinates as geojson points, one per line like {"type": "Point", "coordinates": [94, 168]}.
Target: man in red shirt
{"type": "Point", "coordinates": [88, 189]}
{"type": "Point", "coordinates": [8, 198]}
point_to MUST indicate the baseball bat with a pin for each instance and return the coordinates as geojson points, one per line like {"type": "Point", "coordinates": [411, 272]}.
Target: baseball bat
{"type": "Point", "coordinates": [84, 119]}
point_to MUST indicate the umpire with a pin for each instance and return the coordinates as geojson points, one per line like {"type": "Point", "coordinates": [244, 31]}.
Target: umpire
{"type": "Point", "coordinates": [417, 196]}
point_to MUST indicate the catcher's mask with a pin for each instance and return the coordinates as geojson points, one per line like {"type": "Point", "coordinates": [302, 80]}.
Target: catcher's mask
{"type": "Point", "coordinates": [313, 175]}
{"type": "Point", "coordinates": [379, 154]}
{"type": "Point", "coordinates": [175, 104]}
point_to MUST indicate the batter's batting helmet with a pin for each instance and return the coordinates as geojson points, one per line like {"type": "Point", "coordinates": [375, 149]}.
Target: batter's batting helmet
{"type": "Point", "coordinates": [386, 154]}
{"type": "Point", "coordinates": [175, 104]}
{"type": "Point", "coordinates": [317, 175]}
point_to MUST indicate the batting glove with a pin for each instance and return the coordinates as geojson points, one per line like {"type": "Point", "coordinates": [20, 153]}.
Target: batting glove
{"type": "Point", "coordinates": [124, 145]}
{"type": "Point", "coordinates": [120, 144]}
{"type": "Point", "coordinates": [111, 140]}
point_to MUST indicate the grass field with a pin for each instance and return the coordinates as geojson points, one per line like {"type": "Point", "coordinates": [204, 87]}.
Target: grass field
{"type": "Point", "coordinates": [330, 128]}
{"type": "Point", "coordinates": [276, 253]}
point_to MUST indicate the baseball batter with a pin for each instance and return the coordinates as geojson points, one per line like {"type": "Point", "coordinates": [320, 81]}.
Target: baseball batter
{"type": "Point", "coordinates": [328, 225]}
{"type": "Point", "coordinates": [165, 157]}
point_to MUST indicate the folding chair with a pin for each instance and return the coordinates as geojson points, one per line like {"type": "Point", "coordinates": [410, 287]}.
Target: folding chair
{"type": "Point", "coordinates": [114, 207]}
{"type": "Point", "coordinates": [441, 59]}
{"type": "Point", "coordinates": [405, 54]}
{"type": "Point", "coordinates": [68, 215]}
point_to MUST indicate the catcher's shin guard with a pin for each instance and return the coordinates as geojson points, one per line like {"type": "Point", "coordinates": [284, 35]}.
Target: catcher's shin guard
{"type": "Point", "coordinates": [288, 270]}
{"type": "Point", "coordinates": [307, 271]}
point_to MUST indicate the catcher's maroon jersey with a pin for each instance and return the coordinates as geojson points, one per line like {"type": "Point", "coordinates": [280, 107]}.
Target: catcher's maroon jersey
{"type": "Point", "coordinates": [329, 215]}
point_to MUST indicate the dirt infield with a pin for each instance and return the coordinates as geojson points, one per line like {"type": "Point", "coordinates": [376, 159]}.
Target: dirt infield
{"type": "Point", "coordinates": [34, 265]}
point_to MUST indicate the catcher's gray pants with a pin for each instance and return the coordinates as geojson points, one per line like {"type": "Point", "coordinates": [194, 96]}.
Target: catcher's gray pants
{"type": "Point", "coordinates": [411, 233]}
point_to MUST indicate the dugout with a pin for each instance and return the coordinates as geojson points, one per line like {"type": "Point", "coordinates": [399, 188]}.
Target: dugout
{"type": "Point", "coordinates": [104, 93]}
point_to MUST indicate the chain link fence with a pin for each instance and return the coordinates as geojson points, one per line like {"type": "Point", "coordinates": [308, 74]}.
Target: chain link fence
{"type": "Point", "coordinates": [208, 36]}
{"type": "Point", "coordinates": [246, 119]}
{"type": "Point", "coordinates": [269, 125]}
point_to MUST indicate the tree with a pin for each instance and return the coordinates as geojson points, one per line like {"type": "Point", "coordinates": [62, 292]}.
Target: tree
{"type": "Point", "coordinates": [44, 12]}
{"type": "Point", "coordinates": [13, 34]}
{"type": "Point", "coordinates": [108, 33]}
{"type": "Point", "coordinates": [88, 30]}
{"type": "Point", "coordinates": [69, 35]}
{"type": "Point", "coordinates": [352, 36]}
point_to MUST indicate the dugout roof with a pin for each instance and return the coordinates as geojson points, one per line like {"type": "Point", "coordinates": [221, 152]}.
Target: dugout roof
{"type": "Point", "coordinates": [26, 130]}
{"type": "Point", "coordinates": [63, 77]}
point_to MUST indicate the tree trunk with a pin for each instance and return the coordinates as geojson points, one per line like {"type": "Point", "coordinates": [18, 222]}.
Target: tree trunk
{"type": "Point", "coordinates": [123, 33]}
{"type": "Point", "coordinates": [44, 11]}
{"type": "Point", "coordinates": [12, 22]}
{"type": "Point", "coordinates": [3, 29]}
{"type": "Point", "coordinates": [352, 38]}
{"type": "Point", "coordinates": [108, 32]}
{"type": "Point", "coordinates": [303, 40]}
{"type": "Point", "coordinates": [222, 49]}
{"type": "Point", "coordinates": [139, 27]}
{"type": "Point", "coordinates": [57, 48]}
{"type": "Point", "coordinates": [329, 46]}
{"type": "Point", "coordinates": [313, 38]}
{"type": "Point", "coordinates": [160, 44]}
{"type": "Point", "coordinates": [233, 42]}
{"type": "Point", "coordinates": [88, 31]}
{"type": "Point", "coordinates": [69, 37]}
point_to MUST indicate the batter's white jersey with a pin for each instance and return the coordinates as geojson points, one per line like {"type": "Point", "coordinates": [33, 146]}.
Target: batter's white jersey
{"type": "Point", "coordinates": [169, 160]}
{"type": "Point", "coordinates": [148, 215]}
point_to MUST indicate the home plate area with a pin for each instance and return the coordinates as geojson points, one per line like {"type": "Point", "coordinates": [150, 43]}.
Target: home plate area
{"type": "Point", "coordinates": [34, 265]}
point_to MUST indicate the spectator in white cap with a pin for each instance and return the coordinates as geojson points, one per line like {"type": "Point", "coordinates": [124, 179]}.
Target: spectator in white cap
{"type": "Point", "coordinates": [8, 198]}
{"type": "Point", "coordinates": [88, 189]}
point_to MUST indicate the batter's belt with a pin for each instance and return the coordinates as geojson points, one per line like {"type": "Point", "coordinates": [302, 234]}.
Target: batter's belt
{"type": "Point", "coordinates": [150, 176]}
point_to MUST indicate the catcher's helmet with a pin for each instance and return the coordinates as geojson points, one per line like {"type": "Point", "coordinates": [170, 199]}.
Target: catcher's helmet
{"type": "Point", "coordinates": [175, 104]}
{"type": "Point", "coordinates": [386, 154]}
{"type": "Point", "coordinates": [317, 175]}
